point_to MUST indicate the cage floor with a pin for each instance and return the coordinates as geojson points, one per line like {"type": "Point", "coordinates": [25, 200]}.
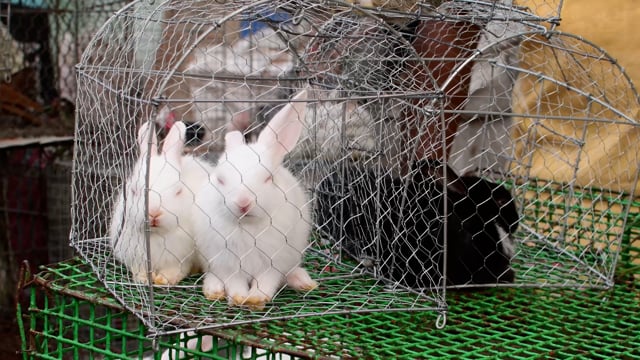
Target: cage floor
{"type": "Point", "coordinates": [343, 289]}
{"type": "Point", "coordinates": [499, 322]}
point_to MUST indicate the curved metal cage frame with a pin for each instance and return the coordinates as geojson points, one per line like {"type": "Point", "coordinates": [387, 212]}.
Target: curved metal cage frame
{"type": "Point", "coordinates": [379, 104]}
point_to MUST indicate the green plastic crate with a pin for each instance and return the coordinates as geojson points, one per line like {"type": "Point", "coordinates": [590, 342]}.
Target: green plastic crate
{"type": "Point", "coordinates": [78, 318]}
{"type": "Point", "coordinates": [597, 218]}
{"type": "Point", "coordinates": [69, 315]}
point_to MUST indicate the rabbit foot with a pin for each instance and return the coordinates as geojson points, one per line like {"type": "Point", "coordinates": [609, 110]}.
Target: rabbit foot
{"type": "Point", "coordinates": [255, 302]}
{"type": "Point", "coordinates": [214, 296]}
{"type": "Point", "coordinates": [161, 279]}
{"type": "Point", "coordinates": [167, 278]}
{"type": "Point", "coordinates": [307, 286]}
{"type": "Point", "coordinates": [141, 277]}
{"type": "Point", "coordinates": [213, 288]}
{"type": "Point", "coordinates": [300, 280]}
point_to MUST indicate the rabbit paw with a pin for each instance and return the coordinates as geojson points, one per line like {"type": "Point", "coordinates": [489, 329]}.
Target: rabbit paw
{"type": "Point", "coordinates": [256, 299]}
{"type": "Point", "coordinates": [299, 279]}
{"type": "Point", "coordinates": [213, 288]}
{"type": "Point", "coordinates": [254, 302]}
{"type": "Point", "coordinates": [160, 280]}
{"type": "Point", "coordinates": [241, 293]}
{"type": "Point", "coordinates": [214, 295]}
{"type": "Point", "coordinates": [142, 277]}
{"type": "Point", "coordinates": [168, 277]}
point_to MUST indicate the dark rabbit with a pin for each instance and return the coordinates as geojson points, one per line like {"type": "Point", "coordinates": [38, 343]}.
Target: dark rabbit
{"type": "Point", "coordinates": [487, 212]}
{"type": "Point", "coordinates": [407, 217]}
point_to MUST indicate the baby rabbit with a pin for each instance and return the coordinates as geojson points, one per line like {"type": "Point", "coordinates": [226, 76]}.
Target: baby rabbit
{"type": "Point", "coordinates": [173, 180]}
{"type": "Point", "coordinates": [407, 216]}
{"type": "Point", "coordinates": [253, 222]}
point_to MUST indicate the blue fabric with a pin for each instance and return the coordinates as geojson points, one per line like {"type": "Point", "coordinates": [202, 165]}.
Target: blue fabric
{"type": "Point", "coordinates": [254, 24]}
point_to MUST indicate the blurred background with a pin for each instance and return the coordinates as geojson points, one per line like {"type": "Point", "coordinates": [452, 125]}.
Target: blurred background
{"type": "Point", "coordinates": [40, 43]}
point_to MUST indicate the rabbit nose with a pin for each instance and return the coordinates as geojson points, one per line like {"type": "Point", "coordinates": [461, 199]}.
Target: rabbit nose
{"type": "Point", "coordinates": [154, 216]}
{"type": "Point", "coordinates": [243, 204]}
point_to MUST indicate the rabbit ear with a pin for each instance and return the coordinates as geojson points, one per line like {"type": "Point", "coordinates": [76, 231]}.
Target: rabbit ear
{"type": "Point", "coordinates": [146, 134]}
{"type": "Point", "coordinates": [454, 183]}
{"type": "Point", "coordinates": [240, 121]}
{"type": "Point", "coordinates": [233, 139]}
{"type": "Point", "coordinates": [436, 169]}
{"type": "Point", "coordinates": [174, 142]}
{"type": "Point", "coordinates": [283, 131]}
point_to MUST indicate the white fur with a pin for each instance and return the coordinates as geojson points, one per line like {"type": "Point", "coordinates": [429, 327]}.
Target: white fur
{"type": "Point", "coordinates": [323, 129]}
{"type": "Point", "coordinates": [173, 180]}
{"type": "Point", "coordinates": [506, 241]}
{"type": "Point", "coordinates": [253, 217]}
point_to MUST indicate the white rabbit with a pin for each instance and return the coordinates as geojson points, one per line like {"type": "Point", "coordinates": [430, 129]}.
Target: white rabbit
{"type": "Point", "coordinates": [173, 180]}
{"type": "Point", "coordinates": [254, 219]}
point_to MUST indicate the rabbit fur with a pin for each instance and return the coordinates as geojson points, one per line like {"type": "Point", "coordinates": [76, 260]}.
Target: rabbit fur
{"type": "Point", "coordinates": [174, 179]}
{"type": "Point", "coordinates": [407, 216]}
{"type": "Point", "coordinates": [254, 220]}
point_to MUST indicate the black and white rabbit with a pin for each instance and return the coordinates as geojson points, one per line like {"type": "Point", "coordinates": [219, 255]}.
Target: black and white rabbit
{"type": "Point", "coordinates": [489, 218]}
{"type": "Point", "coordinates": [407, 217]}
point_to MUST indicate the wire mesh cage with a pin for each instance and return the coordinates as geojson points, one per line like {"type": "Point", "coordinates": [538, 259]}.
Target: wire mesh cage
{"type": "Point", "coordinates": [40, 43]}
{"type": "Point", "coordinates": [418, 141]}
{"type": "Point", "coordinates": [47, 37]}
{"type": "Point", "coordinates": [5, 63]}
{"type": "Point", "coordinates": [59, 328]}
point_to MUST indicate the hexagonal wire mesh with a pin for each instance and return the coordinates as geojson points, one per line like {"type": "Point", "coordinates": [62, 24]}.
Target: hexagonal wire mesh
{"type": "Point", "coordinates": [6, 60]}
{"type": "Point", "coordinates": [392, 95]}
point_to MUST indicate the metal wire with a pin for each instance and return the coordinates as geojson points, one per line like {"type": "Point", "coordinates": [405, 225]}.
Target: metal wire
{"type": "Point", "coordinates": [5, 42]}
{"type": "Point", "coordinates": [520, 114]}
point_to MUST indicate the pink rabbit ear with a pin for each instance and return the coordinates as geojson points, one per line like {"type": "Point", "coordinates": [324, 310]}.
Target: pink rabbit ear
{"type": "Point", "coordinates": [233, 139]}
{"type": "Point", "coordinates": [146, 135]}
{"type": "Point", "coordinates": [174, 142]}
{"type": "Point", "coordinates": [283, 131]}
{"type": "Point", "coordinates": [240, 121]}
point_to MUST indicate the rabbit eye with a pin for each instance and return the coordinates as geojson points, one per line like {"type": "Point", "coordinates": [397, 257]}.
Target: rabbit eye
{"type": "Point", "coordinates": [268, 179]}
{"type": "Point", "coordinates": [179, 191]}
{"type": "Point", "coordinates": [220, 180]}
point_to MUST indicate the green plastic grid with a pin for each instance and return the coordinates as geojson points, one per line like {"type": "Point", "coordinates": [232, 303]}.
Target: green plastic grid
{"type": "Point", "coordinates": [629, 262]}
{"type": "Point", "coordinates": [78, 319]}
{"type": "Point", "coordinates": [342, 290]}
{"type": "Point", "coordinates": [514, 323]}
{"type": "Point", "coordinates": [584, 230]}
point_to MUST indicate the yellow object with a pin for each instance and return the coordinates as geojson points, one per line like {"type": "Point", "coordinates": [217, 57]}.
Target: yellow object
{"type": "Point", "coordinates": [611, 25]}
{"type": "Point", "coordinates": [599, 154]}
